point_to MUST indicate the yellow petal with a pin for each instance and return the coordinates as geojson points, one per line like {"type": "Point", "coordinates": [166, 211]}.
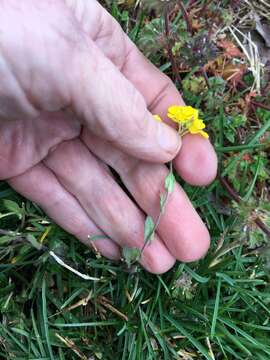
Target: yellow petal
{"type": "Point", "coordinates": [173, 113]}
{"type": "Point", "coordinates": [174, 118]}
{"type": "Point", "coordinates": [157, 118]}
{"type": "Point", "coordinates": [204, 134]}
{"type": "Point", "coordinates": [196, 126]}
{"type": "Point", "coordinates": [181, 114]}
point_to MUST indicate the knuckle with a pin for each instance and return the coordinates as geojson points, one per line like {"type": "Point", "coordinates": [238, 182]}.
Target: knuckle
{"type": "Point", "coordinates": [164, 89]}
{"type": "Point", "coordinates": [137, 115]}
{"type": "Point", "coordinates": [130, 123]}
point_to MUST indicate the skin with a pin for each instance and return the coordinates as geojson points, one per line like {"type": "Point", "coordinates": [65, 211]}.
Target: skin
{"type": "Point", "coordinates": [76, 96]}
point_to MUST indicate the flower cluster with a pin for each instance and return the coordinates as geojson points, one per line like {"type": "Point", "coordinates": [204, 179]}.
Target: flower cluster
{"type": "Point", "coordinates": [187, 119]}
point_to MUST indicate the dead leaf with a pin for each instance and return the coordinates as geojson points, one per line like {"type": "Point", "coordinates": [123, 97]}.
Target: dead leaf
{"type": "Point", "coordinates": [215, 66]}
{"type": "Point", "coordinates": [230, 49]}
{"type": "Point", "coordinates": [126, 2]}
{"type": "Point", "coordinates": [223, 67]}
{"type": "Point", "coordinates": [233, 73]}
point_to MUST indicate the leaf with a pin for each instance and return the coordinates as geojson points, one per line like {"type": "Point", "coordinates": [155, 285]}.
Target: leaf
{"type": "Point", "coordinates": [231, 50]}
{"type": "Point", "coordinates": [126, 2]}
{"type": "Point", "coordinates": [193, 340]}
{"type": "Point", "coordinates": [149, 229]}
{"type": "Point", "coordinates": [13, 207]}
{"type": "Point", "coordinates": [233, 73]}
{"type": "Point", "coordinates": [162, 202]}
{"type": "Point", "coordinates": [98, 237]}
{"type": "Point", "coordinates": [197, 277]}
{"type": "Point", "coordinates": [33, 241]}
{"type": "Point", "coordinates": [169, 182]}
{"type": "Point", "coordinates": [131, 255]}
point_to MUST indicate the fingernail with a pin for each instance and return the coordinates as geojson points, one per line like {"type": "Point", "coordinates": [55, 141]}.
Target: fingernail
{"type": "Point", "coordinates": [168, 139]}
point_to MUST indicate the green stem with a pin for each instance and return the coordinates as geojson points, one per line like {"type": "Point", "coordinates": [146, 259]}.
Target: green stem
{"type": "Point", "coordinates": [160, 214]}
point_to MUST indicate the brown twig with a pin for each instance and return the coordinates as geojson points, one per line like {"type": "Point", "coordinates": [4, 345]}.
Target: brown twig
{"type": "Point", "coordinates": [186, 18]}
{"type": "Point", "coordinates": [262, 226]}
{"type": "Point", "coordinates": [260, 105]}
{"type": "Point", "coordinates": [238, 199]}
{"type": "Point", "coordinates": [230, 190]}
{"type": "Point", "coordinates": [169, 49]}
{"type": "Point", "coordinates": [204, 73]}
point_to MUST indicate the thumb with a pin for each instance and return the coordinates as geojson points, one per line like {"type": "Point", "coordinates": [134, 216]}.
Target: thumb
{"type": "Point", "coordinates": [113, 109]}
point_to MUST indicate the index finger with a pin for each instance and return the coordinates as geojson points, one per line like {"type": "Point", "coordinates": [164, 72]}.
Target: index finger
{"type": "Point", "coordinates": [157, 89]}
{"type": "Point", "coordinates": [196, 162]}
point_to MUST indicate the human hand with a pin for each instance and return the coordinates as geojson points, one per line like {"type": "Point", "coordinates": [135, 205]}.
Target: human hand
{"type": "Point", "coordinates": [47, 158]}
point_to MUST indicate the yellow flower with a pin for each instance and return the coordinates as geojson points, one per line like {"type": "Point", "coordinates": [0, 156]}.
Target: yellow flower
{"type": "Point", "coordinates": [182, 114]}
{"type": "Point", "coordinates": [157, 117]}
{"type": "Point", "coordinates": [188, 119]}
{"type": "Point", "coordinates": [197, 127]}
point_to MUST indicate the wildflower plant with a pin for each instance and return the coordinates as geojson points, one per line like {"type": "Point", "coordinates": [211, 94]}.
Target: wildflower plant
{"type": "Point", "coordinates": [188, 121]}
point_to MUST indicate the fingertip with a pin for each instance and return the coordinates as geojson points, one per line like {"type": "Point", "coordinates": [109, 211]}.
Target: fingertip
{"type": "Point", "coordinates": [156, 258]}
{"type": "Point", "coordinates": [182, 229]}
{"type": "Point", "coordinates": [168, 140]}
{"type": "Point", "coordinates": [155, 142]}
{"type": "Point", "coordinates": [197, 162]}
{"type": "Point", "coordinates": [159, 267]}
{"type": "Point", "coordinates": [197, 248]}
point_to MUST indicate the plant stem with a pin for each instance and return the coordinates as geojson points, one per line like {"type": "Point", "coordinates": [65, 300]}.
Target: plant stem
{"type": "Point", "coordinates": [204, 73]}
{"type": "Point", "coordinates": [169, 49]}
{"type": "Point", "coordinates": [185, 15]}
{"type": "Point", "coordinates": [230, 190]}
{"type": "Point", "coordinates": [262, 106]}
{"type": "Point", "coordinates": [159, 216]}
{"type": "Point", "coordinates": [262, 226]}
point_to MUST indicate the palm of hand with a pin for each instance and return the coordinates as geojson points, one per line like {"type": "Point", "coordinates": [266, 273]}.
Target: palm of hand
{"type": "Point", "coordinates": [48, 157]}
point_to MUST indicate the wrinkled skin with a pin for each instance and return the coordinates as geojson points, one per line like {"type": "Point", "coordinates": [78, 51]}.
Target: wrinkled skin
{"type": "Point", "coordinates": [76, 96]}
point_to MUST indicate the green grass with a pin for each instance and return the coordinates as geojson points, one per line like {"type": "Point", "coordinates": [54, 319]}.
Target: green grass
{"type": "Point", "coordinates": [217, 308]}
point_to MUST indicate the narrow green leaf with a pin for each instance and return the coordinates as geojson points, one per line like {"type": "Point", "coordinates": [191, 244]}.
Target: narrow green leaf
{"type": "Point", "coordinates": [226, 278]}
{"type": "Point", "coordinates": [162, 202]}
{"type": "Point", "coordinates": [87, 324]}
{"type": "Point", "coordinates": [234, 339]}
{"type": "Point", "coordinates": [149, 229]}
{"type": "Point", "coordinates": [13, 207]}
{"type": "Point", "coordinates": [131, 255]}
{"type": "Point", "coordinates": [33, 241]}
{"type": "Point", "coordinates": [253, 183]}
{"type": "Point", "coordinates": [45, 319]}
{"type": "Point", "coordinates": [37, 335]}
{"type": "Point", "coordinates": [18, 342]}
{"type": "Point", "coordinates": [197, 277]}
{"type": "Point", "coordinates": [243, 333]}
{"type": "Point", "coordinates": [98, 237]}
{"type": "Point", "coordinates": [215, 315]}
{"type": "Point", "coordinates": [192, 339]}
{"type": "Point", "coordinates": [170, 182]}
